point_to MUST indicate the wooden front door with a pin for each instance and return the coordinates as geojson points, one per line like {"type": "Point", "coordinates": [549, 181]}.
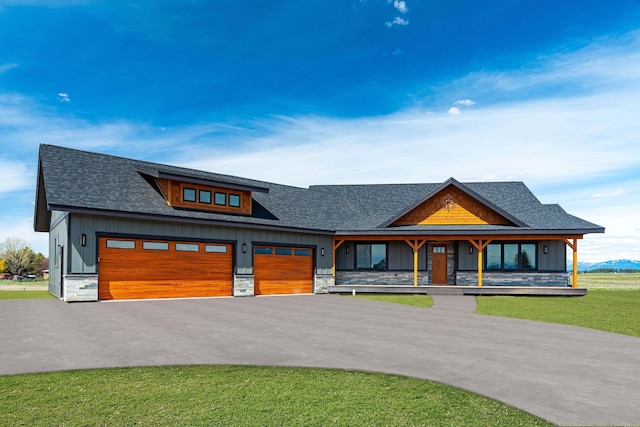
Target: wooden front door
{"type": "Point", "coordinates": [439, 265]}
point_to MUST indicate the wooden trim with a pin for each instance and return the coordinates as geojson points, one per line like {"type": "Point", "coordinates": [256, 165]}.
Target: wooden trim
{"type": "Point", "coordinates": [449, 237]}
{"type": "Point", "coordinates": [336, 244]}
{"type": "Point", "coordinates": [574, 247]}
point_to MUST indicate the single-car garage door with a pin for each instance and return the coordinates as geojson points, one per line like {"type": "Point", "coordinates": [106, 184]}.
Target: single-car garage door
{"type": "Point", "coordinates": [282, 270]}
{"type": "Point", "coordinates": [144, 268]}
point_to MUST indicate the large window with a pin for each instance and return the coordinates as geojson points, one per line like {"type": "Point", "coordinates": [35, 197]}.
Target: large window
{"type": "Point", "coordinates": [371, 256]}
{"type": "Point", "coordinates": [511, 256]}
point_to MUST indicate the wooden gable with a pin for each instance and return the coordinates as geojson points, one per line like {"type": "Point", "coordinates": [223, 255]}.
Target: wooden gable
{"type": "Point", "coordinates": [172, 190]}
{"type": "Point", "coordinates": [452, 206]}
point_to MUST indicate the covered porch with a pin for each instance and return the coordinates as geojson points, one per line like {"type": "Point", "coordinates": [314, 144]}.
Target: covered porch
{"type": "Point", "coordinates": [448, 260]}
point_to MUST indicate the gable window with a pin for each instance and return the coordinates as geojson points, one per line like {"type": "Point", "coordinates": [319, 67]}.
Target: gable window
{"type": "Point", "coordinates": [234, 200]}
{"type": "Point", "coordinates": [371, 256]}
{"type": "Point", "coordinates": [511, 256]}
{"type": "Point", "coordinates": [220, 199]}
{"type": "Point", "coordinates": [189, 194]}
{"type": "Point", "coordinates": [204, 196]}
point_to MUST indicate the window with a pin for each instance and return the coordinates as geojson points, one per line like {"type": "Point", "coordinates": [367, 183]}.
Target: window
{"type": "Point", "coordinates": [220, 199]}
{"type": "Point", "coordinates": [302, 252]}
{"type": "Point", "coordinates": [511, 256]}
{"type": "Point", "coordinates": [189, 194]}
{"type": "Point", "coordinates": [284, 251]}
{"type": "Point", "coordinates": [121, 244]}
{"type": "Point", "coordinates": [264, 251]}
{"type": "Point", "coordinates": [371, 256]}
{"type": "Point", "coordinates": [234, 200]}
{"type": "Point", "coordinates": [187, 247]}
{"type": "Point", "coordinates": [205, 197]}
{"type": "Point", "coordinates": [156, 246]}
{"type": "Point", "coordinates": [215, 248]}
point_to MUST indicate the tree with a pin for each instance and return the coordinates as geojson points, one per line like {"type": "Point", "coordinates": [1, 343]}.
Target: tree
{"type": "Point", "coordinates": [3, 266]}
{"type": "Point", "coordinates": [18, 256]}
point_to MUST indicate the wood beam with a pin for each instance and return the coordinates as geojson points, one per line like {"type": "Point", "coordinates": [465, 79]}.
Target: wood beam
{"type": "Point", "coordinates": [336, 244]}
{"type": "Point", "coordinates": [449, 237]}
{"type": "Point", "coordinates": [574, 246]}
{"type": "Point", "coordinates": [480, 245]}
{"type": "Point", "coordinates": [415, 245]}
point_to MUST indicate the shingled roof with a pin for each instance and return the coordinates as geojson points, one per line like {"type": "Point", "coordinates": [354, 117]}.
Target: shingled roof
{"type": "Point", "coordinates": [80, 181]}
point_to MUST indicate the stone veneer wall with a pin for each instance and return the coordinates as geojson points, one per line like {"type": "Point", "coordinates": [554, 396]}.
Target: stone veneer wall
{"type": "Point", "coordinates": [322, 283]}
{"type": "Point", "coordinates": [243, 285]}
{"type": "Point", "coordinates": [80, 287]}
{"type": "Point", "coordinates": [380, 277]}
{"type": "Point", "coordinates": [470, 278]}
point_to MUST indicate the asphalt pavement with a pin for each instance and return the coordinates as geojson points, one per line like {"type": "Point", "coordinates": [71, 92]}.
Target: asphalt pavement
{"type": "Point", "coordinates": [564, 374]}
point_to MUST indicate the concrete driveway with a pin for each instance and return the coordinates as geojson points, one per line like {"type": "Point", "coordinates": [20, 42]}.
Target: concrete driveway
{"type": "Point", "coordinates": [567, 375]}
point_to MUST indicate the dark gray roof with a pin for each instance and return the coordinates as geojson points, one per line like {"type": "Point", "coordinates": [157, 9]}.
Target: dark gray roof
{"type": "Point", "coordinates": [80, 181]}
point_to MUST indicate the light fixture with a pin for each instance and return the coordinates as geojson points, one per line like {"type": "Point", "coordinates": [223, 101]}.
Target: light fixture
{"type": "Point", "coordinates": [322, 252]}
{"type": "Point", "coordinates": [83, 240]}
{"type": "Point", "coordinates": [346, 249]}
{"type": "Point", "coordinates": [244, 248]}
{"type": "Point", "coordinates": [545, 249]}
{"type": "Point", "coordinates": [470, 250]}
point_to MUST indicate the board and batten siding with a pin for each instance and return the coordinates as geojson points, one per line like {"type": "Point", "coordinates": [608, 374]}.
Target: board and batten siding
{"type": "Point", "coordinates": [399, 256]}
{"type": "Point", "coordinates": [58, 251]}
{"type": "Point", "coordinates": [83, 258]}
{"type": "Point", "coordinates": [554, 260]}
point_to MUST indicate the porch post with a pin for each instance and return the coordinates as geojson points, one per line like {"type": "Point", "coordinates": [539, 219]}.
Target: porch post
{"type": "Point", "coordinates": [574, 247]}
{"type": "Point", "coordinates": [480, 245]}
{"type": "Point", "coordinates": [336, 245]}
{"type": "Point", "coordinates": [479, 268]}
{"type": "Point", "coordinates": [415, 245]}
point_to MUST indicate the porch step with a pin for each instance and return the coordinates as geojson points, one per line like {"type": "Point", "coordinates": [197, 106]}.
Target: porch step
{"type": "Point", "coordinates": [459, 290]}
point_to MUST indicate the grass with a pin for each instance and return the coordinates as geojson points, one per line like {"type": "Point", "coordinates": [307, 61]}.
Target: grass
{"type": "Point", "coordinates": [243, 396]}
{"type": "Point", "coordinates": [20, 294]}
{"type": "Point", "coordinates": [407, 299]}
{"type": "Point", "coordinates": [609, 280]}
{"type": "Point", "coordinates": [606, 310]}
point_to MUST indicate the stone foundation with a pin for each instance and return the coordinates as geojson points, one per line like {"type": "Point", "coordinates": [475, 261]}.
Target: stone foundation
{"type": "Point", "coordinates": [380, 278]}
{"type": "Point", "coordinates": [243, 285]}
{"type": "Point", "coordinates": [80, 287]}
{"type": "Point", "coordinates": [470, 278]}
{"type": "Point", "coordinates": [322, 283]}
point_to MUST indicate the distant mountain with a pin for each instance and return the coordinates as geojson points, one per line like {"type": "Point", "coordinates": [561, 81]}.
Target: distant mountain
{"type": "Point", "coordinates": [618, 264]}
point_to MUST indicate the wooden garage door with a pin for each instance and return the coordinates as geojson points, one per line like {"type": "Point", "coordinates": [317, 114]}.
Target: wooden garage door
{"type": "Point", "coordinates": [144, 268]}
{"type": "Point", "coordinates": [282, 270]}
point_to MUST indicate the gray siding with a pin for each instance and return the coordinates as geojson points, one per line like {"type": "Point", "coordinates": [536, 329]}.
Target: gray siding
{"type": "Point", "coordinates": [83, 258]}
{"type": "Point", "coordinates": [58, 251]}
{"type": "Point", "coordinates": [399, 256]}
{"type": "Point", "coordinates": [554, 260]}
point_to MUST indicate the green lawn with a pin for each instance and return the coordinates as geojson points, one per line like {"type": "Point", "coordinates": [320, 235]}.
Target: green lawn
{"type": "Point", "coordinates": [608, 310]}
{"type": "Point", "coordinates": [609, 280]}
{"type": "Point", "coordinates": [243, 396]}
{"type": "Point", "coordinates": [414, 300]}
{"type": "Point", "coordinates": [20, 294]}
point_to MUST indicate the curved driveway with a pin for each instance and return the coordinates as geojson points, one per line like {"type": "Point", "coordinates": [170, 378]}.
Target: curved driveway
{"type": "Point", "coordinates": [567, 375]}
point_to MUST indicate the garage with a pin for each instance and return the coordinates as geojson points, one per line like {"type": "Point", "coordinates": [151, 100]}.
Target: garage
{"type": "Point", "coordinates": [282, 270]}
{"type": "Point", "coordinates": [135, 268]}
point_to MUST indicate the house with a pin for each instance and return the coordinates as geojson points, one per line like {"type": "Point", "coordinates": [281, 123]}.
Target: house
{"type": "Point", "coordinates": [127, 229]}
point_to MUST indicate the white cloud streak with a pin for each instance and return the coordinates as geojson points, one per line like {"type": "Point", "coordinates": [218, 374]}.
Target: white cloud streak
{"type": "Point", "coordinates": [401, 6]}
{"type": "Point", "coordinates": [397, 21]}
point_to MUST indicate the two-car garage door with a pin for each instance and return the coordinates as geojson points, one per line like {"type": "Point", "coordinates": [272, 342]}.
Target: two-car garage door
{"type": "Point", "coordinates": [136, 268]}
{"type": "Point", "coordinates": [144, 268]}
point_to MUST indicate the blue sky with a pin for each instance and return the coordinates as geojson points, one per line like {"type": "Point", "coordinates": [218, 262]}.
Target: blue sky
{"type": "Point", "coordinates": [335, 92]}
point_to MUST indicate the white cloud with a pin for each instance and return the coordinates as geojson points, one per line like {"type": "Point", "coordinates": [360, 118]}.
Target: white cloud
{"type": "Point", "coordinates": [400, 5]}
{"type": "Point", "coordinates": [7, 67]}
{"type": "Point", "coordinates": [397, 21]}
{"type": "Point", "coordinates": [22, 228]}
{"type": "Point", "coordinates": [63, 97]}
{"type": "Point", "coordinates": [15, 176]}
{"type": "Point", "coordinates": [612, 193]}
{"type": "Point", "coordinates": [465, 102]}
{"type": "Point", "coordinates": [454, 111]}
